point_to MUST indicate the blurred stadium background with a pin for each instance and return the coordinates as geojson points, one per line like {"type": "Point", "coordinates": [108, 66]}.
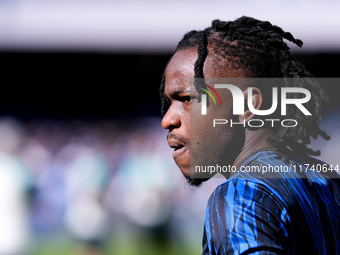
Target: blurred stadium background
{"type": "Point", "coordinates": [84, 163]}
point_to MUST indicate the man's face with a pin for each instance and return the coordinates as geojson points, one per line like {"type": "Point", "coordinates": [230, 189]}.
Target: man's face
{"type": "Point", "coordinates": [206, 145]}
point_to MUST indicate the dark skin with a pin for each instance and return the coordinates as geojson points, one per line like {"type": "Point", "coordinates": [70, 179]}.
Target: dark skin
{"type": "Point", "coordinates": [226, 145]}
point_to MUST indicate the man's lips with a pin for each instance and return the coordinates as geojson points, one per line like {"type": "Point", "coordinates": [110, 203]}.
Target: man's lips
{"type": "Point", "coordinates": [179, 144]}
{"type": "Point", "coordinates": [178, 147]}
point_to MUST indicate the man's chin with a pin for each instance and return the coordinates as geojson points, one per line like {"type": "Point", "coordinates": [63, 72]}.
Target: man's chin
{"type": "Point", "coordinates": [195, 181]}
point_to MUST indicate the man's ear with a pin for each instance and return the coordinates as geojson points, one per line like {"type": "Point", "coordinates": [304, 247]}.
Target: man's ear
{"type": "Point", "coordinates": [256, 99]}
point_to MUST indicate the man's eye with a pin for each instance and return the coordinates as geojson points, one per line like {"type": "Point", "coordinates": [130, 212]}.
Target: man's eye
{"type": "Point", "coordinates": [186, 99]}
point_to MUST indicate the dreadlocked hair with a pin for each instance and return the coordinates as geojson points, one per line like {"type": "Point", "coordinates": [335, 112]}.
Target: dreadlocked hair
{"type": "Point", "coordinates": [259, 47]}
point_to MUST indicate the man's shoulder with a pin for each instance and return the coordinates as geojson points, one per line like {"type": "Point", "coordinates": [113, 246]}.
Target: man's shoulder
{"type": "Point", "coordinates": [244, 209]}
{"type": "Point", "coordinates": [288, 207]}
{"type": "Point", "coordinates": [243, 192]}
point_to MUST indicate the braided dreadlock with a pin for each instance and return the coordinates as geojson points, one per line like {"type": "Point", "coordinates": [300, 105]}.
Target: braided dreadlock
{"type": "Point", "coordinates": [258, 47]}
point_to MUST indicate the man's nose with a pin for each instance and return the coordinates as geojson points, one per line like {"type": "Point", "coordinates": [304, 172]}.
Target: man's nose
{"type": "Point", "coordinates": [171, 119]}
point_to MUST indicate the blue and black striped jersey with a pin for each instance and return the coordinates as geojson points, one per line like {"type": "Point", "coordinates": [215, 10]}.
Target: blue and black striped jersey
{"type": "Point", "coordinates": [286, 212]}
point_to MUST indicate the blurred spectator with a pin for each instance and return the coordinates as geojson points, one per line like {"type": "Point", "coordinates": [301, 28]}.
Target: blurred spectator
{"type": "Point", "coordinates": [15, 184]}
{"type": "Point", "coordinates": [86, 173]}
{"type": "Point", "coordinates": [44, 140]}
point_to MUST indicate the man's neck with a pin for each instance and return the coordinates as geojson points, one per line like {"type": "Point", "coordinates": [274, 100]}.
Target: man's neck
{"type": "Point", "coordinates": [254, 140]}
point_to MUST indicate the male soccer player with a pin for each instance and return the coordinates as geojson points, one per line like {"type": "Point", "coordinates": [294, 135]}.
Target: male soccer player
{"type": "Point", "coordinates": [289, 212]}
